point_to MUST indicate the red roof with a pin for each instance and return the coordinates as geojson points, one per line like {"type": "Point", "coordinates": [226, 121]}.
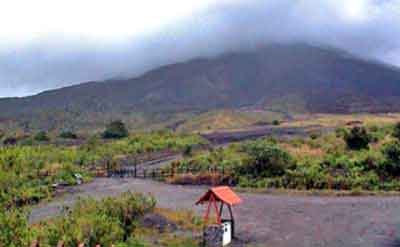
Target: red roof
{"type": "Point", "coordinates": [222, 193]}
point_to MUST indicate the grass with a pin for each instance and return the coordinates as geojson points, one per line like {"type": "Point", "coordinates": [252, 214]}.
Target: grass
{"type": "Point", "coordinates": [340, 120]}
{"type": "Point", "coordinates": [228, 120]}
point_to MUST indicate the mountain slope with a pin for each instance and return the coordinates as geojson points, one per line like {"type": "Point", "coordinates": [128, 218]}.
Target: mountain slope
{"type": "Point", "coordinates": [295, 77]}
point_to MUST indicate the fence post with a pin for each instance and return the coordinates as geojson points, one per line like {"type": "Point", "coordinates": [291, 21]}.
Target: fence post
{"type": "Point", "coordinates": [144, 173]}
{"type": "Point", "coordinates": [153, 173]}
{"type": "Point", "coordinates": [135, 170]}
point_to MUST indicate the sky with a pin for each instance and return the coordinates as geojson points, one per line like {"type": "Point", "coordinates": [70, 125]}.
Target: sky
{"type": "Point", "coordinates": [47, 44]}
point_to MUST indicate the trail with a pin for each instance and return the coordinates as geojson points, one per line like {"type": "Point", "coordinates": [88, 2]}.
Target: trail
{"type": "Point", "coordinates": [268, 220]}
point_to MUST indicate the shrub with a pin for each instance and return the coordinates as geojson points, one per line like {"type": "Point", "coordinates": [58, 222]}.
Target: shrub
{"type": "Point", "coordinates": [68, 135]}
{"type": "Point", "coordinates": [315, 135]}
{"type": "Point", "coordinates": [14, 228]}
{"type": "Point", "coordinates": [187, 151]}
{"type": "Point", "coordinates": [391, 151]}
{"type": "Point", "coordinates": [41, 137]}
{"type": "Point", "coordinates": [102, 222]}
{"type": "Point", "coordinates": [10, 141]}
{"type": "Point", "coordinates": [276, 122]}
{"type": "Point", "coordinates": [266, 159]}
{"type": "Point", "coordinates": [115, 130]}
{"type": "Point", "coordinates": [340, 132]}
{"type": "Point", "coordinates": [396, 131]}
{"type": "Point", "coordinates": [357, 139]}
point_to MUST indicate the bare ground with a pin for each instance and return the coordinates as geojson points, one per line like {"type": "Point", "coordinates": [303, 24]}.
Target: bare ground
{"type": "Point", "coordinates": [268, 220]}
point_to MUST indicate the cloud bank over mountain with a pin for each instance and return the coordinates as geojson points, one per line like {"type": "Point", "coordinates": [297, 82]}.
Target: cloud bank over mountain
{"type": "Point", "coordinates": [47, 45]}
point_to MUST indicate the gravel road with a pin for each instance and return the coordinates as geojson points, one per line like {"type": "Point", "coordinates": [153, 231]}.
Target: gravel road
{"type": "Point", "coordinates": [268, 220]}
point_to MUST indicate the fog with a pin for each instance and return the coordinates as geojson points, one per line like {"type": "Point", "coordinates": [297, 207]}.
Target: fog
{"type": "Point", "coordinates": [48, 46]}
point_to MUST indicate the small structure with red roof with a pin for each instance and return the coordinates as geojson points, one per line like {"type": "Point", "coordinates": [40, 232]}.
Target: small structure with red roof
{"type": "Point", "coordinates": [225, 197]}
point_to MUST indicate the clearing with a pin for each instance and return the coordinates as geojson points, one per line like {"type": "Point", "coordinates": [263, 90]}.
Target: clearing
{"type": "Point", "coordinates": [267, 220]}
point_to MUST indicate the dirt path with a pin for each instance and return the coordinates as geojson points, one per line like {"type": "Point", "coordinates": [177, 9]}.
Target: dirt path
{"type": "Point", "coordinates": [269, 220]}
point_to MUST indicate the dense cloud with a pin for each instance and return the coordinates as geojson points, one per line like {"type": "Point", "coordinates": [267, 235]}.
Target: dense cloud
{"type": "Point", "coordinates": [369, 28]}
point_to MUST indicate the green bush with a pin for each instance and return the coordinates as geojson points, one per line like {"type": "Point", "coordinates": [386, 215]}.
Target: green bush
{"type": "Point", "coordinates": [68, 135]}
{"type": "Point", "coordinates": [187, 151]}
{"type": "Point", "coordinates": [391, 152]}
{"type": "Point", "coordinates": [266, 159]}
{"type": "Point", "coordinates": [396, 131]}
{"type": "Point", "coordinates": [10, 141]}
{"type": "Point", "coordinates": [41, 136]}
{"type": "Point", "coordinates": [110, 221]}
{"type": "Point", "coordinates": [276, 122]}
{"type": "Point", "coordinates": [115, 130]}
{"type": "Point", "coordinates": [358, 138]}
{"type": "Point", "coordinates": [14, 230]}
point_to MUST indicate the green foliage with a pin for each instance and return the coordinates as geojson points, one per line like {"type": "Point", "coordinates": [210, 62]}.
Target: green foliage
{"type": "Point", "coordinates": [41, 136]}
{"type": "Point", "coordinates": [187, 151]}
{"type": "Point", "coordinates": [358, 138]}
{"type": "Point", "coordinates": [28, 172]}
{"type": "Point", "coordinates": [115, 130]}
{"type": "Point", "coordinates": [14, 231]}
{"type": "Point", "coordinates": [391, 152]}
{"type": "Point", "coordinates": [266, 159]}
{"type": "Point", "coordinates": [9, 141]}
{"type": "Point", "coordinates": [276, 122]}
{"type": "Point", "coordinates": [320, 163]}
{"type": "Point", "coordinates": [68, 135]}
{"type": "Point", "coordinates": [109, 221]}
{"type": "Point", "coordinates": [396, 131]}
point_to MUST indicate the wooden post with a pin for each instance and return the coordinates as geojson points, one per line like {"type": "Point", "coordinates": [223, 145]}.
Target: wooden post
{"type": "Point", "coordinates": [233, 220]}
{"type": "Point", "coordinates": [144, 173]}
{"type": "Point", "coordinates": [135, 170]}
{"type": "Point", "coordinates": [153, 173]}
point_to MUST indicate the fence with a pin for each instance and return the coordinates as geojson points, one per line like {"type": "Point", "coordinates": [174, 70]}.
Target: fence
{"type": "Point", "coordinates": [61, 244]}
{"type": "Point", "coordinates": [161, 173]}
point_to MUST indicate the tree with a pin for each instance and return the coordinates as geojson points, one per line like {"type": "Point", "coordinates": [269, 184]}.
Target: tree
{"type": "Point", "coordinates": [266, 159]}
{"type": "Point", "coordinates": [41, 136]}
{"type": "Point", "coordinates": [357, 139]}
{"type": "Point", "coordinates": [68, 135]}
{"type": "Point", "coordinates": [391, 152]}
{"type": "Point", "coordinates": [115, 130]}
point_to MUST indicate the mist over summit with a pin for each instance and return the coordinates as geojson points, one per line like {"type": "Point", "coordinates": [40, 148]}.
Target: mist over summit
{"type": "Point", "coordinates": [284, 77]}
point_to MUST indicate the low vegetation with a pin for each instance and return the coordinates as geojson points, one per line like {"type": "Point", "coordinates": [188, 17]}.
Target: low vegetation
{"type": "Point", "coordinates": [111, 221]}
{"type": "Point", "coordinates": [357, 158]}
{"type": "Point", "coordinates": [28, 172]}
{"type": "Point", "coordinates": [32, 168]}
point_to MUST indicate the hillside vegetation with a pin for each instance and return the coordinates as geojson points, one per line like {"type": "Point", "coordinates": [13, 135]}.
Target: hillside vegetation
{"type": "Point", "coordinates": [356, 158]}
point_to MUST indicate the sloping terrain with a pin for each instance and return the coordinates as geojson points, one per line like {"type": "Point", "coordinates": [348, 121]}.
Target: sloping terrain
{"type": "Point", "coordinates": [297, 78]}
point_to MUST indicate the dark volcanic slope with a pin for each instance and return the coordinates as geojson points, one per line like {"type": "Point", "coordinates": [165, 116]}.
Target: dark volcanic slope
{"type": "Point", "coordinates": [318, 79]}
